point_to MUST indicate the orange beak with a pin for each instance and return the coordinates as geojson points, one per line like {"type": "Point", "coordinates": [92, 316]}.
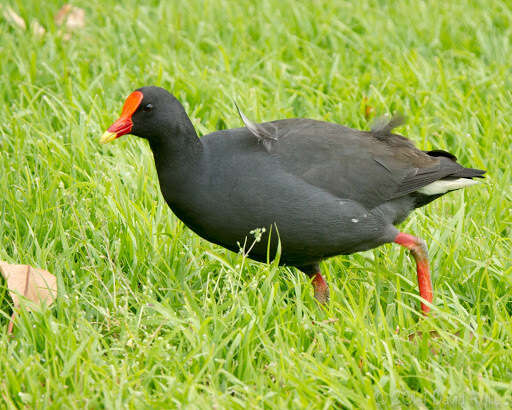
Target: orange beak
{"type": "Point", "coordinates": [124, 124]}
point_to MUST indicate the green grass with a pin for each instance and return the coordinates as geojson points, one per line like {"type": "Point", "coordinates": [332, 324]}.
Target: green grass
{"type": "Point", "coordinates": [150, 315]}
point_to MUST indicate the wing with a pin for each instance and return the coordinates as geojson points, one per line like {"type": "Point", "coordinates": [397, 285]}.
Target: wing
{"type": "Point", "coordinates": [370, 167]}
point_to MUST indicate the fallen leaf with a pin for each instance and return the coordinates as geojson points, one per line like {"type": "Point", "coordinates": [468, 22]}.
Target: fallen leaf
{"type": "Point", "coordinates": [62, 13]}
{"type": "Point", "coordinates": [71, 17]}
{"type": "Point", "coordinates": [13, 18]}
{"type": "Point", "coordinates": [37, 28]}
{"type": "Point", "coordinates": [325, 322]}
{"type": "Point", "coordinates": [25, 282]}
{"type": "Point", "coordinates": [368, 109]}
{"type": "Point", "coordinates": [432, 334]}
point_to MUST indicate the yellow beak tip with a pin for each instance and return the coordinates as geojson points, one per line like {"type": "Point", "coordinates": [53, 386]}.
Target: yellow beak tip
{"type": "Point", "coordinates": [108, 137]}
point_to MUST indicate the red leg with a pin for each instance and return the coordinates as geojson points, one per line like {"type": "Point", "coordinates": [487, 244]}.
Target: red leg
{"type": "Point", "coordinates": [418, 249]}
{"type": "Point", "coordinates": [321, 288]}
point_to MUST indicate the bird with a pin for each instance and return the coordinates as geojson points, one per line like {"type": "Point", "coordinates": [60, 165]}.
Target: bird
{"type": "Point", "coordinates": [312, 189]}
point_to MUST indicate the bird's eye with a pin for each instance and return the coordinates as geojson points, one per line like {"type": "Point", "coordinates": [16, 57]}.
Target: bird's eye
{"type": "Point", "coordinates": [148, 107]}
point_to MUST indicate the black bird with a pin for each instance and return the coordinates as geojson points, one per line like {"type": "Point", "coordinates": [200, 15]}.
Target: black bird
{"type": "Point", "coordinates": [321, 189]}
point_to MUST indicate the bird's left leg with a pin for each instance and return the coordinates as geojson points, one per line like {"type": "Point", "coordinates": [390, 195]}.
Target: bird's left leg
{"type": "Point", "coordinates": [321, 288]}
{"type": "Point", "coordinates": [319, 284]}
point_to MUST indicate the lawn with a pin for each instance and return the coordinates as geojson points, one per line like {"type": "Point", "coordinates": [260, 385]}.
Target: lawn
{"type": "Point", "coordinates": [149, 315]}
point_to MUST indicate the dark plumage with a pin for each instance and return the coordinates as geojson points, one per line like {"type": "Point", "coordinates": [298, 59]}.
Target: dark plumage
{"type": "Point", "coordinates": [323, 188]}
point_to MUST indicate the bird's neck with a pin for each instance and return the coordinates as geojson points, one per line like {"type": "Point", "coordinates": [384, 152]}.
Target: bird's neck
{"type": "Point", "coordinates": [177, 148]}
{"type": "Point", "coordinates": [178, 160]}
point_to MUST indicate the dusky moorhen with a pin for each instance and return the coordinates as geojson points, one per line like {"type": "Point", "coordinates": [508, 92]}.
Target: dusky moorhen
{"type": "Point", "coordinates": [321, 188]}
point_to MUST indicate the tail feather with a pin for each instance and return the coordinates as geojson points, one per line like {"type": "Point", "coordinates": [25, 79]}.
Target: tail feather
{"type": "Point", "coordinates": [470, 173]}
{"type": "Point", "coordinates": [445, 185]}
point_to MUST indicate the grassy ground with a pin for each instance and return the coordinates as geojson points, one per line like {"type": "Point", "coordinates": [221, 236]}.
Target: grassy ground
{"type": "Point", "coordinates": [150, 315]}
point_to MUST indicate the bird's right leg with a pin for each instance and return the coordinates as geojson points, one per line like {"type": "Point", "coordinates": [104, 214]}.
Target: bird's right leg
{"type": "Point", "coordinates": [418, 250]}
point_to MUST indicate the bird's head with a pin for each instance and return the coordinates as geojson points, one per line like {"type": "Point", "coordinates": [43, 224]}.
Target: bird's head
{"type": "Point", "coordinates": [148, 112]}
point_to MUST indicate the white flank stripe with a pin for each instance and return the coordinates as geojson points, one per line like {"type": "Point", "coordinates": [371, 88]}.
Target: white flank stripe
{"type": "Point", "coordinates": [444, 185]}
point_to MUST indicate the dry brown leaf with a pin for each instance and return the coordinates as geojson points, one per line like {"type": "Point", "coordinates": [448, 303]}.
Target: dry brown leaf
{"type": "Point", "coordinates": [37, 28]}
{"type": "Point", "coordinates": [433, 334]}
{"type": "Point", "coordinates": [326, 322]}
{"type": "Point", "coordinates": [13, 18]}
{"type": "Point", "coordinates": [71, 17]}
{"type": "Point", "coordinates": [368, 109]}
{"type": "Point", "coordinates": [25, 282]}
{"type": "Point", "coordinates": [62, 13]}
{"type": "Point", "coordinates": [36, 285]}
